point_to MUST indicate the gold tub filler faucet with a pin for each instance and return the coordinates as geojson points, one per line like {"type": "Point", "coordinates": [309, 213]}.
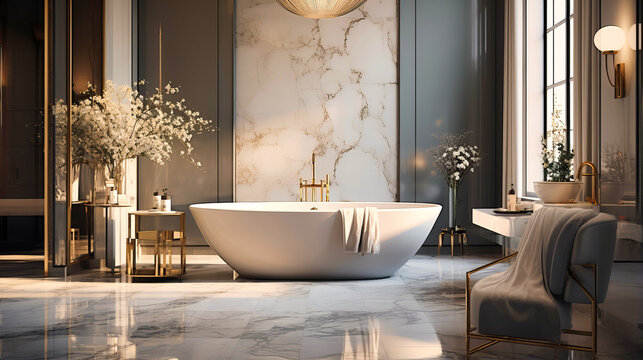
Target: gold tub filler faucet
{"type": "Point", "coordinates": [323, 186]}
{"type": "Point", "coordinates": [593, 174]}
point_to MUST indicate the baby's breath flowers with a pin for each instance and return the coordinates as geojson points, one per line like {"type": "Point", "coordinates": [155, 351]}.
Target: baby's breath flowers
{"type": "Point", "coordinates": [455, 159]}
{"type": "Point", "coordinates": [122, 124]}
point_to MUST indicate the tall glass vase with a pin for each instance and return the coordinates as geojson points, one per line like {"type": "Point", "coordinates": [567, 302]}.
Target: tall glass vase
{"type": "Point", "coordinates": [453, 207]}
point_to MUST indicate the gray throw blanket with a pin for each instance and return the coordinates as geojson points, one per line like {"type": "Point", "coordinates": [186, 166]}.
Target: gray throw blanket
{"type": "Point", "coordinates": [519, 301]}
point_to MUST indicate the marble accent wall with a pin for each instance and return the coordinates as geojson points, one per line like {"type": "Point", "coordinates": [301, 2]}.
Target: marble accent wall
{"type": "Point", "coordinates": [325, 86]}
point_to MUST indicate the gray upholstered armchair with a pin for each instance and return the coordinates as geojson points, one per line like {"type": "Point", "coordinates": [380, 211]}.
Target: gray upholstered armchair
{"type": "Point", "coordinates": [577, 272]}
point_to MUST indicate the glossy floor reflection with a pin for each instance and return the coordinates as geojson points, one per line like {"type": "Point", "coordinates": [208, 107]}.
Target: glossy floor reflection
{"type": "Point", "coordinates": [417, 314]}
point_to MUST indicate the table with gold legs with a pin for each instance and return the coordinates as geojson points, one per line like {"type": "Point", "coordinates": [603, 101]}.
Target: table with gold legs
{"type": "Point", "coordinates": [461, 233]}
{"type": "Point", "coordinates": [161, 239]}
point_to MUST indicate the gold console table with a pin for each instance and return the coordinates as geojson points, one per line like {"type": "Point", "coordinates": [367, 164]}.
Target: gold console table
{"type": "Point", "coordinates": [162, 240]}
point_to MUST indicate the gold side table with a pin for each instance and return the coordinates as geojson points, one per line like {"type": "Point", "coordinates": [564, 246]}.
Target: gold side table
{"type": "Point", "coordinates": [461, 233]}
{"type": "Point", "coordinates": [161, 239]}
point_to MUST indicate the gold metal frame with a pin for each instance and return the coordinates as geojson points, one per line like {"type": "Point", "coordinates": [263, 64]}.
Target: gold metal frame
{"type": "Point", "coordinates": [163, 241]}
{"type": "Point", "coordinates": [46, 139]}
{"type": "Point", "coordinates": [494, 339]}
{"type": "Point", "coordinates": [461, 233]}
{"type": "Point", "coordinates": [70, 80]}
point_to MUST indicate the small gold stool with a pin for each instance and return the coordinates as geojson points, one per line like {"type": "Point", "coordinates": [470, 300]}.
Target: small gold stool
{"type": "Point", "coordinates": [162, 240]}
{"type": "Point", "coordinates": [75, 237]}
{"type": "Point", "coordinates": [452, 232]}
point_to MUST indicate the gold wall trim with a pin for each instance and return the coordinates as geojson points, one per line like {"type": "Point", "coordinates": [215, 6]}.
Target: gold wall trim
{"type": "Point", "coordinates": [46, 138]}
{"type": "Point", "coordinates": [68, 135]}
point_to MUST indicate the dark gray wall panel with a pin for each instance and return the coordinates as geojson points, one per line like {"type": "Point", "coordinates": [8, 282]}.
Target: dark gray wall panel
{"type": "Point", "coordinates": [407, 100]}
{"type": "Point", "coordinates": [452, 71]}
{"type": "Point", "coordinates": [197, 47]}
{"type": "Point", "coordinates": [226, 100]}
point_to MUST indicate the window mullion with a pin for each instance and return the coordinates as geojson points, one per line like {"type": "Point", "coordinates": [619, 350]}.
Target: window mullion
{"type": "Point", "coordinates": [568, 72]}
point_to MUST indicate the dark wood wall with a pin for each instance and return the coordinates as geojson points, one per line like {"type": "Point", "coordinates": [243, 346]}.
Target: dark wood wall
{"type": "Point", "coordinates": [21, 121]}
{"type": "Point", "coordinates": [22, 46]}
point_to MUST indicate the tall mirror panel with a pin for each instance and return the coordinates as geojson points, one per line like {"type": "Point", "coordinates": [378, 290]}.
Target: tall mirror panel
{"type": "Point", "coordinates": [21, 129]}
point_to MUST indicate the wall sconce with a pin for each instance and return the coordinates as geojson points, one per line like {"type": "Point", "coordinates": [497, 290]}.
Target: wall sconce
{"type": "Point", "coordinates": [609, 40]}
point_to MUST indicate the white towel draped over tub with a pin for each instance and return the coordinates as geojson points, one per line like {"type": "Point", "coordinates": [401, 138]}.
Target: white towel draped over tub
{"type": "Point", "coordinates": [361, 230]}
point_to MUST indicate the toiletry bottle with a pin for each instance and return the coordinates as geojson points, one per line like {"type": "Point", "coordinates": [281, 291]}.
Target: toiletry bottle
{"type": "Point", "coordinates": [166, 201]}
{"type": "Point", "coordinates": [113, 197]}
{"type": "Point", "coordinates": [156, 203]}
{"type": "Point", "coordinates": [111, 193]}
{"type": "Point", "coordinates": [511, 199]}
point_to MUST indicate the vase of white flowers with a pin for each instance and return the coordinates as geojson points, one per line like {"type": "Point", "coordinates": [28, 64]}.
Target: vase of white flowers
{"type": "Point", "coordinates": [455, 159]}
{"type": "Point", "coordinates": [122, 124]}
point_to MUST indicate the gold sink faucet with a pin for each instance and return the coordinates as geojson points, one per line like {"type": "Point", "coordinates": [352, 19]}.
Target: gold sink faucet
{"type": "Point", "coordinates": [322, 185]}
{"type": "Point", "coordinates": [594, 174]}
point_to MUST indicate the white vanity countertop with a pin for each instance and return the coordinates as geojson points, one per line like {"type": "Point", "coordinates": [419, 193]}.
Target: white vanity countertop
{"type": "Point", "coordinates": [503, 224]}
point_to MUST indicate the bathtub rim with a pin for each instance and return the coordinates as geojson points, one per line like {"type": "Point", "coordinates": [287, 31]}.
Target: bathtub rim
{"type": "Point", "coordinates": [228, 206]}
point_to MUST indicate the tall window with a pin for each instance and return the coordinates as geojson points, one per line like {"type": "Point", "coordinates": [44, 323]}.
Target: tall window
{"type": "Point", "coordinates": [547, 85]}
{"type": "Point", "coordinates": [559, 77]}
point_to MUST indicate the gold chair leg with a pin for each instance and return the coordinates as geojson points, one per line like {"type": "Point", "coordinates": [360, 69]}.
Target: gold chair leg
{"type": "Point", "coordinates": [183, 254]}
{"type": "Point", "coordinates": [595, 316]}
{"type": "Point", "coordinates": [134, 255]}
{"type": "Point", "coordinates": [128, 256]}
{"type": "Point", "coordinates": [156, 254]}
{"type": "Point", "coordinates": [462, 238]}
{"type": "Point", "coordinates": [165, 236]}
{"type": "Point", "coordinates": [452, 240]}
{"type": "Point", "coordinates": [440, 242]}
{"type": "Point", "coordinates": [481, 347]}
{"type": "Point", "coordinates": [171, 241]}
{"type": "Point", "coordinates": [467, 310]}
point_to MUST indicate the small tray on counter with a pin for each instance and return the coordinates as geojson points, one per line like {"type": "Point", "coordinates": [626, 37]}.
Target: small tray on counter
{"type": "Point", "coordinates": [504, 211]}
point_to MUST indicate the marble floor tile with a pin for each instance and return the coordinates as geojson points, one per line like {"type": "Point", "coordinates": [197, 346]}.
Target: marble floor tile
{"type": "Point", "coordinates": [417, 314]}
{"type": "Point", "coordinates": [362, 346]}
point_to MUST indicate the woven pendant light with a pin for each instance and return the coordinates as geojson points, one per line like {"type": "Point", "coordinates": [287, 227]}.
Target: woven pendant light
{"type": "Point", "coordinates": [320, 9]}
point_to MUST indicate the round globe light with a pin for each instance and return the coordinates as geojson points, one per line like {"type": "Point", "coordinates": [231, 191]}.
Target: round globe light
{"type": "Point", "coordinates": [609, 39]}
{"type": "Point", "coordinates": [320, 9]}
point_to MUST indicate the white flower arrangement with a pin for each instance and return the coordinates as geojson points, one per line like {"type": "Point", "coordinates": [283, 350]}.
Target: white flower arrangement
{"type": "Point", "coordinates": [122, 124]}
{"type": "Point", "coordinates": [455, 159]}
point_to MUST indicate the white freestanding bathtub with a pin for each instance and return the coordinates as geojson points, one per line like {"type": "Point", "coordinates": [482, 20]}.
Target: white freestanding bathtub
{"type": "Point", "coordinates": [292, 241]}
